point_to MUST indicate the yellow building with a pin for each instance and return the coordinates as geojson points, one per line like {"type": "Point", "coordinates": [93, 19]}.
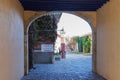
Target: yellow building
{"type": "Point", "coordinates": [14, 21]}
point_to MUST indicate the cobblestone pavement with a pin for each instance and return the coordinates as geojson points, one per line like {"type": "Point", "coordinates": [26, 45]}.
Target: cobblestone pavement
{"type": "Point", "coordinates": [74, 67]}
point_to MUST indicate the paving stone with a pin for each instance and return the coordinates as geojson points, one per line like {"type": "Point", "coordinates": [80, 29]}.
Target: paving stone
{"type": "Point", "coordinates": [74, 67]}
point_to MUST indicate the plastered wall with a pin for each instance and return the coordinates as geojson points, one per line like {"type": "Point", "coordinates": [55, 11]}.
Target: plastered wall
{"type": "Point", "coordinates": [11, 40]}
{"type": "Point", "coordinates": [89, 16]}
{"type": "Point", "coordinates": [108, 40]}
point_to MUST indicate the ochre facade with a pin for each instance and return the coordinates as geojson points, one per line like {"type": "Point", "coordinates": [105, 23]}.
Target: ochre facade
{"type": "Point", "coordinates": [11, 40]}
{"type": "Point", "coordinates": [13, 30]}
{"type": "Point", "coordinates": [108, 40]}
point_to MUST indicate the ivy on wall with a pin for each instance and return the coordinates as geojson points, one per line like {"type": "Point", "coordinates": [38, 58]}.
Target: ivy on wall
{"type": "Point", "coordinates": [86, 44]}
{"type": "Point", "coordinates": [44, 29]}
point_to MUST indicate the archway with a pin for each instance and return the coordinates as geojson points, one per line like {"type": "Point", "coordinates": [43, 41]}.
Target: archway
{"type": "Point", "coordinates": [93, 38]}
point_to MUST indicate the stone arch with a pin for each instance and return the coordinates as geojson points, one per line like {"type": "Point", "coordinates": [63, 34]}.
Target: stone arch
{"type": "Point", "coordinates": [87, 18]}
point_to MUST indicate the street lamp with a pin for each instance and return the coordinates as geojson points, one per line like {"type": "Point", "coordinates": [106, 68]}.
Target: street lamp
{"type": "Point", "coordinates": [62, 32]}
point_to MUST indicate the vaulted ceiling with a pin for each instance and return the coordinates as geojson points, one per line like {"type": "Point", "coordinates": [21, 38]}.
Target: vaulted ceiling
{"type": "Point", "coordinates": [62, 5]}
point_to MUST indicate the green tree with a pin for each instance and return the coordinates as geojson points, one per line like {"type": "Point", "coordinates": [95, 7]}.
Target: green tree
{"type": "Point", "coordinates": [86, 44]}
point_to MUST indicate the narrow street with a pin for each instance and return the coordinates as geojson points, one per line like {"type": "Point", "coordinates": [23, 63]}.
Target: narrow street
{"type": "Point", "coordinates": [74, 67]}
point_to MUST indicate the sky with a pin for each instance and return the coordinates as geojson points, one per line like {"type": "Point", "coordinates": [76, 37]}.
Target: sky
{"type": "Point", "coordinates": [73, 25]}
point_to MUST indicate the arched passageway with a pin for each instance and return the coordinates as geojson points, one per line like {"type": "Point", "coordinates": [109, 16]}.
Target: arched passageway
{"type": "Point", "coordinates": [92, 28]}
{"type": "Point", "coordinates": [93, 37]}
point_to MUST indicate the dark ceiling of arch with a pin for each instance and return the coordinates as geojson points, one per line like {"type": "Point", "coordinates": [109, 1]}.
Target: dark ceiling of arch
{"type": "Point", "coordinates": [62, 5]}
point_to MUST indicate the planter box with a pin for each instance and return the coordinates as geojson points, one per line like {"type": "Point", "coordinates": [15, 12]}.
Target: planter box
{"type": "Point", "coordinates": [42, 57]}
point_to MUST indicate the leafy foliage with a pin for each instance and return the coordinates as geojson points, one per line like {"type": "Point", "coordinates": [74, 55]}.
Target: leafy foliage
{"type": "Point", "coordinates": [86, 44]}
{"type": "Point", "coordinates": [44, 28]}
{"type": "Point", "coordinates": [83, 43]}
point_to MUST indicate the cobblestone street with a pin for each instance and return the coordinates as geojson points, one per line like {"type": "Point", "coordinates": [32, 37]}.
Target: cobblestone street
{"type": "Point", "coordinates": [74, 67]}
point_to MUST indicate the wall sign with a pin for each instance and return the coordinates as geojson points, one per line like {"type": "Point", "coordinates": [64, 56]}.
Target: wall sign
{"type": "Point", "coordinates": [47, 48]}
